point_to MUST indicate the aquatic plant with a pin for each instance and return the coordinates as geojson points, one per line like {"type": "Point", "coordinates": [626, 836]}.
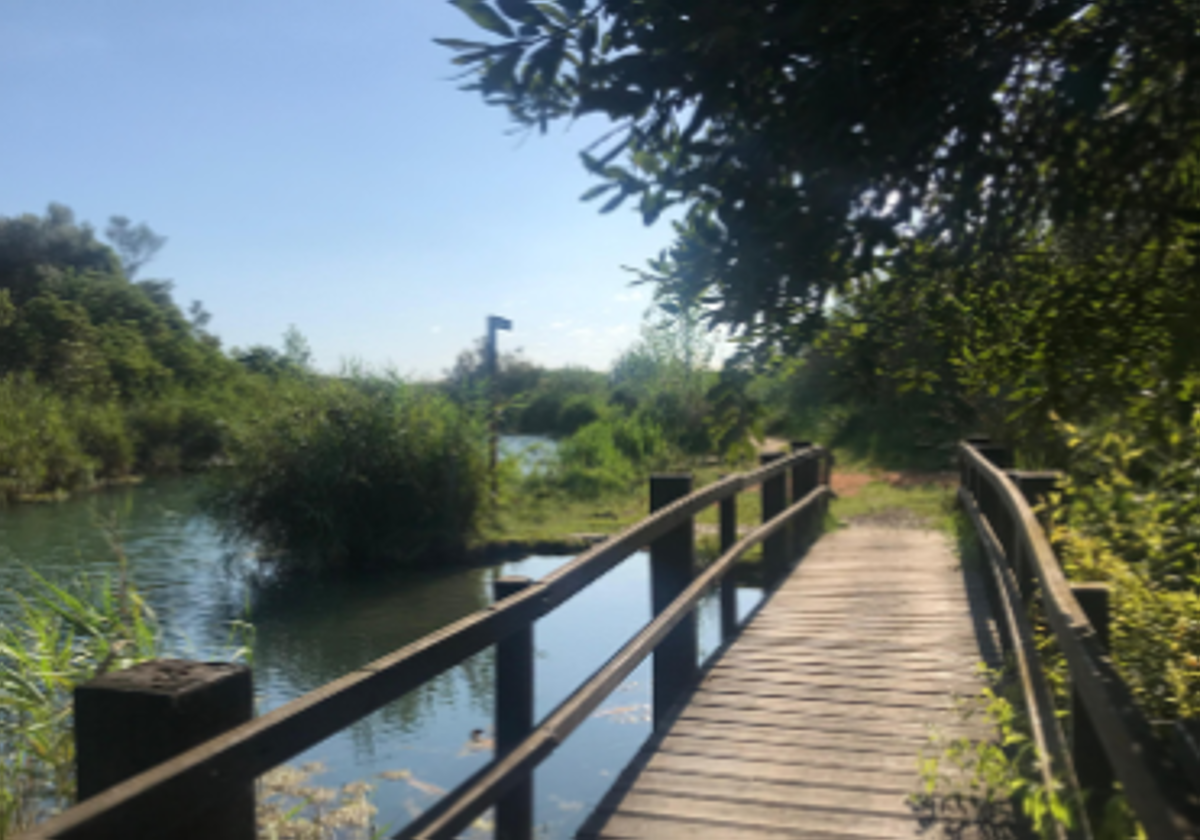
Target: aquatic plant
{"type": "Point", "coordinates": [354, 472]}
{"type": "Point", "coordinates": [609, 455]}
{"type": "Point", "coordinates": [61, 636]}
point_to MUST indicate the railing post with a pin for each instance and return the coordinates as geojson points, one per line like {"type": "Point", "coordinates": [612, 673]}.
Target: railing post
{"type": "Point", "coordinates": [999, 454]}
{"type": "Point", "coordinates": [514, 714]}
{"type": "Point", "coordinates": [1185, 745]}
{"type": "Point", "coordinates": [1092, 766]}
{"type": "Point", "coordinates": [1036, 488]}
{"type": "Point", "coordinates": [804, 477]}
{"type": "Point", "coordinates": [729, 620]}
{"type": "Point", "coordinates": [774, 501]}
{"type": "Point", "coordinates": [129, 721]}
{"type": "Point", "coordinates": [672, 566]}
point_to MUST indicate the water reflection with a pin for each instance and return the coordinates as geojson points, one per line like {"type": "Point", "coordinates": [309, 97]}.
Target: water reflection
{"type": "Point", "coordinates": [311, 633]}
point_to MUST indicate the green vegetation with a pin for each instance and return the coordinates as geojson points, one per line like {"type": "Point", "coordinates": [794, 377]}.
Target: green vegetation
{"type": "Point", "coordinates": [70, 632]}
{"type": "Point", "coordinates": [103, 379]}
{"type": "Point", "coordinates": [100, 377]}
{"type": "Point", "coordinates": [1127, 516]}
{"type": "Point", "coordinates": [62, 636]}
{"type": "Point", "coordinates": [352, 472]}
{"type": "Point", "coordinates": [968, 779]}
{"type": "Point", "coordinates": [931, 219]}
{"type": "Point", "coordinates": [926, 503]}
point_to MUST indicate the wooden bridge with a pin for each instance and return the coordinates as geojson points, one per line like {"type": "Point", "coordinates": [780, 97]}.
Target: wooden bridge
{"type": "Point", "coordinates": [807, 722]}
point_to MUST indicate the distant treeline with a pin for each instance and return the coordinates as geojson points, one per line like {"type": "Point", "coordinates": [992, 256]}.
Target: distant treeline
{"type": "Point", "coordinates": [102, 376]}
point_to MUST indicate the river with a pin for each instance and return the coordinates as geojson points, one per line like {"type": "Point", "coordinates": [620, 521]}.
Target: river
{"type": "Point", "coordinates": [310, 634]}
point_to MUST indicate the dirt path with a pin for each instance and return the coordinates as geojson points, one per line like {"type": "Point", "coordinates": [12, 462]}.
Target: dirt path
{"type": "Point", "coordinates": [848, 484]}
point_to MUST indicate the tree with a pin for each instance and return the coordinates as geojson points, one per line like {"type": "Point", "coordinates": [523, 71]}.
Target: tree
{"type": "Point", "coordinates": [135, 244]}
{"type": "Point", "coordinates": [296, 351]}
{"type": "Point", "coordinates": [809, 141]}
{"type": "Point", "coordinates": [38, 250]}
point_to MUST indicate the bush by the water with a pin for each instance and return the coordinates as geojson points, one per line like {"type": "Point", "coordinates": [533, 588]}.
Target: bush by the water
{"type": "Point", "coordinates": [607, 456]}
{"type": "Point", "coordinates": [354, 472]}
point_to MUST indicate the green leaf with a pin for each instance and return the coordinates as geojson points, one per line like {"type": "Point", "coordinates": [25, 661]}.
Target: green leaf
{"type": "Point", "coordinates": [484, 16]}
{"type": "Point", "coordinates": [522, 10]}
{"type": "Point", "coordinates": [500, 75]}
{"type": "Point", "coordinates": [552, 11]}
{"type": "Point", "coordinates": [614, 202]}
{"type": "Point", "coordinates": [545, 62]}
{"type": "Point", "coordinates": [459, 44]}
{"type": "Point", "coordinates": [587, 39]}
{"type": "Point", "coordinates": [598, 190]}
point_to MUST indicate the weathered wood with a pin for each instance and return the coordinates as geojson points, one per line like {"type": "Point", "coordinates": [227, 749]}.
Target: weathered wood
{"type": "Point", "coordinates": [514, 708]}
{"type": "Point", "coordinates": [776, 738]}
{"type": "Point", "coordinates": [672, 567]}
{"type": "Point", "coordinates": [729, 618]}
{"type": "Point", "coordinates": [1151, 782]}
{"type": "Point", "coordinates": [1095, 773]}
{"type": "Point", "coordinates": [129, 721]}
{"type": "Point", "coordinates": [774, 499]}
{"type": "Point", "coordinates": [799, 484]}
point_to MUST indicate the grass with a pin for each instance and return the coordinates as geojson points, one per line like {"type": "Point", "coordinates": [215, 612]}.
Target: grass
{"type": "Point", "coordinates": [878, 500]}
{"type": "Point", "coordinates": [560, 520]}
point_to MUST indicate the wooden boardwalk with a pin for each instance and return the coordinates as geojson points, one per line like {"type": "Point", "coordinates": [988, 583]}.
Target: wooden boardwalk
{"type": "Point", "coordinates": [810, 724]}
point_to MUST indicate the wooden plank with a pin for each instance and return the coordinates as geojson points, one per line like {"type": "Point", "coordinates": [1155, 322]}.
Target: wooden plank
{"type": "Point", "coordinates": [723, 816]}
{"type": "Point", "coordinates": [812, 722]}
{"type": "Point", "coordinates": [894, 772]}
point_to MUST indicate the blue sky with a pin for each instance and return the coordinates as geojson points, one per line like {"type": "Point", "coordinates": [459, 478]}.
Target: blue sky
{"type": "Point", "coordinates": [313, 164]}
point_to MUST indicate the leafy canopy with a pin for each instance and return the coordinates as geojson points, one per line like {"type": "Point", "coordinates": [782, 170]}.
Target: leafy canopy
{"type": "Point", "coordinates": [808, 140]}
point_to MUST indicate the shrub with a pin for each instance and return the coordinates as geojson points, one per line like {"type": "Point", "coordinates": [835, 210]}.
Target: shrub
{"type": "Point", "coordinates": [1130, 516]}
{"type": "Point", "coordinates": [39, 451]}
{"type": "Point", "coordinates": [354, 472]}
{"type": "Point", "coordinates": [102, 434]}
{"type": "Point", "coordinates": [62, 636]}
{"type": "Point", "coordinates": [608, 455]}
{"type": "Point", "coordinates": [578, 411]}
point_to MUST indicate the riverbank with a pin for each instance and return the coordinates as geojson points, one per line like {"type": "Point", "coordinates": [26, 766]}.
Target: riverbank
{"type": "Point", "coordinates": [562, 525]}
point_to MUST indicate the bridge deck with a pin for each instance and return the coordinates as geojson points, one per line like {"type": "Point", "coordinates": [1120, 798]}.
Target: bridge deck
{"type": "Point", "coordinates": [810, 724]}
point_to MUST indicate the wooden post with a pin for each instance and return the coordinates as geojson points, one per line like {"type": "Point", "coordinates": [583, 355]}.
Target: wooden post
{"type": "Point", "coordinates": [774, 501]}
{"type": "Point", "coordinates": [129, 721]}
{"type": "Point", "coordinates": [514, 714]}
{"type": "Point", "coordinates": [801, 482]}
{"type": "Point", "coordinates": [999, 455]}
{"type": "Point", "coordinates": [672, 566]}
{"type": "Point", "coordinates": [1185, 746]}
{"type": "Point", "coordinates": [1035, 486]}
{"type": "Point", "coordinates": [1091, 763]}
{"type": "Point", "coordinates": [729, 621]}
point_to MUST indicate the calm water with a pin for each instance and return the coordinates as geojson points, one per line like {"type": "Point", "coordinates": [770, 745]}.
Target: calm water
{"type": "Point", "coordinates": [311, 634]}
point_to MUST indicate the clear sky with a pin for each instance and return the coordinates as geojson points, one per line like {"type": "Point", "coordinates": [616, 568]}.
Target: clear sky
{"type": "Point", "coordinates": [313, 163]}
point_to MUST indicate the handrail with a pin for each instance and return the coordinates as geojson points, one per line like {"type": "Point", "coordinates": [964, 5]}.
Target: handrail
{"type": "Point", "coordinates": [174, 792]}
{"type": "Point", "coordinates": [1046, 733]}
{"type": "Point", "coordinates": [1165, 808]}
{"type": "Point", "coordinates": [458, 809]}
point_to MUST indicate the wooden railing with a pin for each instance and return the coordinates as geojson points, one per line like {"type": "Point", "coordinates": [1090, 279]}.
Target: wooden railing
{"type": "Point", "coordinates": [1110, 739]}
{"type": "Point", "coordinates": [164, 799]}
